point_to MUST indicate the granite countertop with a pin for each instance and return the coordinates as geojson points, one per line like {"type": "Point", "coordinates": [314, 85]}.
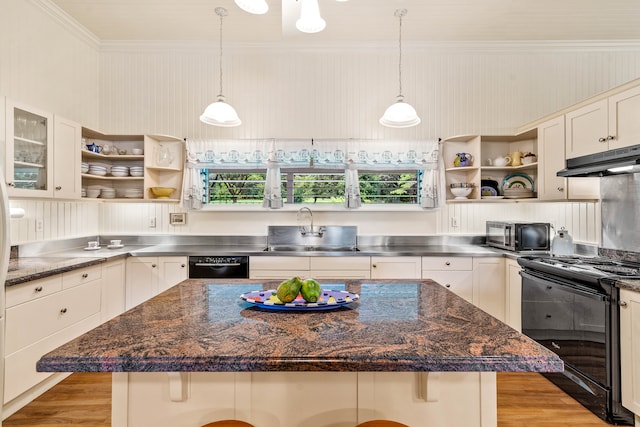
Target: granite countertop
{"type": "Point", "coordinates": [23, 270]}
{"type": "Point", "coordinates": [397, 325]}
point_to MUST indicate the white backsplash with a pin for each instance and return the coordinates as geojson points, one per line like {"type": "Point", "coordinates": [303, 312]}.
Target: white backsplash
{"type": "Point", "coordinates": [74, 219]}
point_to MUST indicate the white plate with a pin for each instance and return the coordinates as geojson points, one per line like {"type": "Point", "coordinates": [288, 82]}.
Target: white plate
{"type": "Point", "coordinates": [92, 249]}
{"type": "Point", "coordinates": [493, 197]}
{"type": "Point", "coordinates": [115, 246]}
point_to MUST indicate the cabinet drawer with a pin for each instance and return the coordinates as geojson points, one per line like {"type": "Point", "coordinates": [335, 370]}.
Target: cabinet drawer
{"type": "Point", "coordinates": [278, 274]}
{"type": "Point", "coordinates": [458, 282]}
{"type": "Point", "coordinates": [279, 263]}
{"type": "Point", "coordinates": [340, 263]}
{"type": "Point", "coordinates": [340, 274]}
{"type": "Point", "coordinates": [447, 263]}
{"type": "Point", "coordinates": [33, 290]}
{"type": "Point", "coordinates": [80, 276]}
{"type": "Point", "coordinates": [20, 367]}
{"type": "Point", "coordinates": [33, 321]}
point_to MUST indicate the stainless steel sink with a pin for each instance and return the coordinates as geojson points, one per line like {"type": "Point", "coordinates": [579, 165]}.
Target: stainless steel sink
{"type": "Point", "coordinates": [334, 238]}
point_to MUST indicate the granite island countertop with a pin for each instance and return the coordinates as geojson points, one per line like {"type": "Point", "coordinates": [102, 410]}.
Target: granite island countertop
{"type": "Point", "coordinates": [397, 325]}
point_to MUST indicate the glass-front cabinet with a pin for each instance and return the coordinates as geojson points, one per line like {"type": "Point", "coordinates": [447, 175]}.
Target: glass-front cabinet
{"type": "Point", "coordinates": [28, 152]}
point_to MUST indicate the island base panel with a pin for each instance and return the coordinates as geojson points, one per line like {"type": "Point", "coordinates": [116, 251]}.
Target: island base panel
{"type": "Point", "coordinates": [309, 399]}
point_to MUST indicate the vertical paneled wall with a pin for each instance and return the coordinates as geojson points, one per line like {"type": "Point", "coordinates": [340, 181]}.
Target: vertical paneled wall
{"type": "Point", "coordinates": [287, 91]}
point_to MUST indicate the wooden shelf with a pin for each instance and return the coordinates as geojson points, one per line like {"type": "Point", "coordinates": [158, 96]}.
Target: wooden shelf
{"type": "Point", "coordinates": [113, 178]}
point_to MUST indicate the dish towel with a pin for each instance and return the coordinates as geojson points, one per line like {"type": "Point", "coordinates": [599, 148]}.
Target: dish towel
{"type": "Point", "coordinates": [193, 189]}
{"type": "Point", "coordinates": [272, 187]}
{"type": "Point", "coordinates": [352, 198]}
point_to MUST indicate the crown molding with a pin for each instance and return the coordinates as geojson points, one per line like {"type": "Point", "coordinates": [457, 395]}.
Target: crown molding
{"type": "Point", "coordinates": [68, 22]}
{"type": "Point", "coordinates": [542, 46]}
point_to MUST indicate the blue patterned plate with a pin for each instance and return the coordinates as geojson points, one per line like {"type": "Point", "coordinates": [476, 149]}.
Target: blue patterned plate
{"type": "Point", "coordinates": [329, 300]}
{"type": "Point", "coordinates": [517, 180]}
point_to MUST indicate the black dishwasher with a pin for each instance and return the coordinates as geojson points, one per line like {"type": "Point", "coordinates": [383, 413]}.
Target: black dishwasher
{"type": "Point", "coordinates": [219, 267]}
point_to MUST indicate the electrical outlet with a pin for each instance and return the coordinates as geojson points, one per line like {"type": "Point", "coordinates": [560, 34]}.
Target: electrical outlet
{"type": "Point", "coordinates": [152, 222]}
{"type": "Point", "coordinates": [454, 222]}
{"type": "Point", "coordinates": [39, 225]}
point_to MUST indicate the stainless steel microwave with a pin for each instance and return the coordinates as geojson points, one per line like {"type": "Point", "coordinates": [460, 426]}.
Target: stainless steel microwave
{"type": "Point", "coordinates": [519, 236]}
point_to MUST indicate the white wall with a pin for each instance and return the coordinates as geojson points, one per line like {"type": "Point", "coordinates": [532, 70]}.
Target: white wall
{"type": "Point", "coordinates": [293, 91]}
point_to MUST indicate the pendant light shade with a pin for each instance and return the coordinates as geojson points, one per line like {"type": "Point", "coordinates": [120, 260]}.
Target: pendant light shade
{"type": "Point", "coordinates": [219, 113]}
{"type": "Point", "coordinates": [310, 20]}
{"type": "Point", "coordinates": [257, 7]}
{"type": "Point", "coordinates": [400, 114]}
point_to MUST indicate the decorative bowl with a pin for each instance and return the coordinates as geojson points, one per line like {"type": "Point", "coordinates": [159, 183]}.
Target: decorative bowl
{"type": "Point", "coordinates": [162, 192]}
{"type": "Point", "coordinates": [461, 192]}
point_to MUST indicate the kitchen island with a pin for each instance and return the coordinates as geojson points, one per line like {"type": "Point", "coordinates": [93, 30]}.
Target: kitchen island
{"type": "Point", "coordinates": [408, 350]}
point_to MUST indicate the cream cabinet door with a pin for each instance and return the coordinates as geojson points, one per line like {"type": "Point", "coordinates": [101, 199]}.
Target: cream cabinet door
{"type": "Point", "coordinates": [458, 282]}
{"type": "Point", "coordinates": [67, 135]}
{"type": "Point", "coordinates": [173, 270]}
{"type": "Point", "coordinates": [624, 110]}
{"type": "Point", "coordinates": [587, 129]}
{"type": "Point", "coordinates": [552, 159]}
{"type": "Point", "coordinates": [113, 289]}
{"type": "Point", "coordinates": [142, 280]}
{"type": "Point", "coordinates": [402, 267]}
{"type": "Point", "coordinates": [489, 285]}
{"type": "Point", "coordinates": [278, 267]}
{"type": "Point", "coordinates": [630, 349]}
{"type": "Point", "coordinates": [513, 288]}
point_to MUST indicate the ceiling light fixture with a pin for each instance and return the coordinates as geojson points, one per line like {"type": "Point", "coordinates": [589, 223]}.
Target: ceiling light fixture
{"type": "Point", "coordinates": [257, 7]}
{"type": "Point", "coordinates": [400, 114]}
{"type": "Point", "coordinates": [310, 20]}
{"type": "Point", "coordinates": [220, 113]}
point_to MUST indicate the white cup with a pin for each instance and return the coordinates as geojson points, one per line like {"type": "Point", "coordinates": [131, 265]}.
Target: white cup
{"type": "Point", "coordinates": [93, 244]}
{"type": "Point", "coordinates": [116, 242]}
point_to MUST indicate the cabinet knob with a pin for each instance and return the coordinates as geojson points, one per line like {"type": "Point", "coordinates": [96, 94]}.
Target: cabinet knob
{"type": "Point", "coordinates": [447, 263]}
{"type": "Point", "coordinates": [10, 184]}
{"type": "Point", "coordinates": [622, 304]}
{"type": "Point", "coordinates": [374, 266]}
{"type": "Point", "coordinates": [85, 275]}
{"type": "Point", "coordinates": [448, 285]}
{"type": "Point", "coordinates": [560, 189]}
{"type": "Point", "coordinates": [610, 138]}
{"type": "Point", "coordinates": [58, 188]}
{"type": "Point", "coordinates": [602, 139]}
{"type": "Point", "coordinates": [182, 265]}
{"type": "Point", "coordinates": [63, 311]}
{"type": "Point", "coordinates": [153, 266]}
{"type": "Point", "coordinates": [38, 289]}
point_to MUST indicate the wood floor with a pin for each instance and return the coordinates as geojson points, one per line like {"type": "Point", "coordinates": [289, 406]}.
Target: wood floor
{"type": "Point", "coordinates": [524, 400]}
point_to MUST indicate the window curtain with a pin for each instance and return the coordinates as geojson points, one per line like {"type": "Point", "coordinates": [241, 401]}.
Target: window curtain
{"type": "Point", "coordinates": [352, 198]}
{"type": "Point", "coordinates": [272, 188]}
{"type": "Point", "coordinates": [193, 189]}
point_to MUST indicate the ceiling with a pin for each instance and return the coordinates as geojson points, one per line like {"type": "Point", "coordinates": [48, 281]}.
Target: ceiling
{"type": "Point", "coordinates": [362, 20]}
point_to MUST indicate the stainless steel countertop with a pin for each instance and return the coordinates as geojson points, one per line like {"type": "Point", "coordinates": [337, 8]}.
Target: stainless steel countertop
{"type": "Point", "coordinates": [49, 258]}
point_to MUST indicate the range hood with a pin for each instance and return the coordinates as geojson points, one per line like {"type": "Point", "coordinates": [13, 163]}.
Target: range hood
{"type": "Point", "coordinates": [611, 162]}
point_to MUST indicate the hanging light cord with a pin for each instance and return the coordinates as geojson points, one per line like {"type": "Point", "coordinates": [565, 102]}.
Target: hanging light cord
{"type": "Point", "coordinates": [400, 13]}
{"type": "Point", "coordinates": [221, 12]}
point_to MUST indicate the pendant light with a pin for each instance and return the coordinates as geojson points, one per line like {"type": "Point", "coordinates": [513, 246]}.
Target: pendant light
{"type": "Point", "coordinates": [257, 7]}
{"type": "Point", "coordinates": [219, 113]}
{"type": "Point", "coordinates": [400, 114]}
{"type": "Point", "coordinates": [310, 20]}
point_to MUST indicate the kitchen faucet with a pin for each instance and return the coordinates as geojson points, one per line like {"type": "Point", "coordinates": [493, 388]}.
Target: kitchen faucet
{"type": "Point", "coordinates": [311, 231]}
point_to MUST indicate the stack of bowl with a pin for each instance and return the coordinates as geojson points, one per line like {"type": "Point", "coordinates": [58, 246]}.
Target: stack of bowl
{"type": "Point", "coordinates": [136, 171]}
{"type": "Point", "coordinates": [93, 192]}
{"type": "Point", "coordinates": [133, 193]}
{"type": "Point", "coordinates": [95, 169]}
{"type": "Point", "coordinates": [84, 167]}
{"type": "Point", "coordinates": [517, 193]}
{"type": "Point", "coordinates": [119, 171]}
{"type": "Point", "coordinates": [108, 193]}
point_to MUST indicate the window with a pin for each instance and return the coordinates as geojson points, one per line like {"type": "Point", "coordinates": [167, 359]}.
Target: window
{"type": "Point", "coordinates": [312, 186]}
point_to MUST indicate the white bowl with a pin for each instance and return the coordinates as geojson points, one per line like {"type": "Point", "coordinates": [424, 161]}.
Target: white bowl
{"type": "Point", "coordinates": [461, 192]}
{"type": "Point", "coordinates": [93, 193]}
{"type": "Point", "coordinates": [137, 151]}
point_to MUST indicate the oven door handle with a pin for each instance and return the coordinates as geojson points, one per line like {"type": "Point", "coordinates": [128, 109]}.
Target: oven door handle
{"type": "Point", "coordinates": [210, 264]}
